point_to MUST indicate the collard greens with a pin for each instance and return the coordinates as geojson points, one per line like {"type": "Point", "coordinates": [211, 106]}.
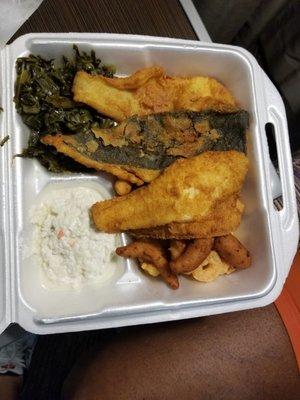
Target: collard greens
{"type": "Point", "coordinates": [44, 100]}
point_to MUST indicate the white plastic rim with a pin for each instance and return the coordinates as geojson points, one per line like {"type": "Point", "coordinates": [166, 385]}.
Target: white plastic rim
{"type": "Point", "coordinates": [133, 298]}
{"type": "Point", "coordinates": [5, 294]}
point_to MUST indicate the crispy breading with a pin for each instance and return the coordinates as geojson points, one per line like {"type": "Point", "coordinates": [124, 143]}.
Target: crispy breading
{"type": "Point", "coordinates": [137, 79]}
{"type": "Point", "coordinates": [150, 251]}
{"type": "Point", "coordinates": [150, 269]}
{"type": "Point", "coordinates": [149, 91]}
{"type": "Point", "coordinates": [232, 251]}
{"type": "Point", "coordinates": [186, 191]}
{"type": "Point", "coordinates": [194, 254]}
{"type": "Point", "coordinates": [122, 187]}
{"type": "Point", "coordinates": [211, 268]}
{"type": "Point", "coordinates": [176, 248]}
{"type": "Point", "coordinates": [223, 219]}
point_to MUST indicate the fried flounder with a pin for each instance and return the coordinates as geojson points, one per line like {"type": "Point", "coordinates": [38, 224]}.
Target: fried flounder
{"type": "Point", "coordinates": [224, 218]}
{"type": "Point", "coordinates": [186, 191]}
{"type": "Point", "coordinates": [149, 91]}
{"type": "Point", "coordinates": [81, 147]}
{"type": "Point", "coordinates": [139, 147]}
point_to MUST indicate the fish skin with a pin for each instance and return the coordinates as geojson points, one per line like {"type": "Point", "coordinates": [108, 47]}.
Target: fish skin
{"type": "Point", "coordinates": [139, 147]}
{"type": "Point", "coordinates": [186, 191]}
{"type": "Point", "coordinates": [155, 141]}
{"type": "Point", "coordinates": [68, 145]}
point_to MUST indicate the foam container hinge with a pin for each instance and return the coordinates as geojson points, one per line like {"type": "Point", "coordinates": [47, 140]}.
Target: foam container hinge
{"type": "Point", "coordinates": [131, 297]}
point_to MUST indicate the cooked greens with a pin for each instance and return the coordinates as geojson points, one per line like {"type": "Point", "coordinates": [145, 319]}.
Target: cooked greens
{"type": "Point", "coordinates": [43, 98]}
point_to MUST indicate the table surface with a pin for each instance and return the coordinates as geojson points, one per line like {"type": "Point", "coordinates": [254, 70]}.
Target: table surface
{"type": "Point", "coordinates": [143, 17]}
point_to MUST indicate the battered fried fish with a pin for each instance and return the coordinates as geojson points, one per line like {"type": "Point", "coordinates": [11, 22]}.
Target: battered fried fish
{"type": "Point", "coordinates": [223, 219]}
{"type": "Point", "coordinates": [82, 147]}
{"type": "Point", "coordinates": [186, 191]}
{"type": "Point", "coordinates": [149, 91]}
{"type": "Point", "coordinates": [139, 147]}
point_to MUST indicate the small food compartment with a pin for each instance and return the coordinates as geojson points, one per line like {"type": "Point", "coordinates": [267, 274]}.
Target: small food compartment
{"type": "Point", "coordinates": [64, 258]}
{"type": "Point", "coordinates": [129, 296]}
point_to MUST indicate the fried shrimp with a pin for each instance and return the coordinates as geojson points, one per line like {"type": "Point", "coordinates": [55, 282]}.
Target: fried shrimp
{"type": "Point", "coordinates": [232, 251]}
{"type": "Point", "coordinates": [176, 248]}
{"type": "Point", "coordinates": [150, 252]}
{"type": "Point", "coordinates": [194, 254]}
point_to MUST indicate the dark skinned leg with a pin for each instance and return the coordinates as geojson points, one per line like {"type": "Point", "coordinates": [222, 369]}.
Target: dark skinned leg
{"type": "Point", "coordinates": [244, 355]}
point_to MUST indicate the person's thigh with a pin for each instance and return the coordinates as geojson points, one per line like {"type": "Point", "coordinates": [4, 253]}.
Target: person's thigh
{"type": "Point", "coordinates": [243, 355]}
{"type": "Point", "coordinates": [10, 386]}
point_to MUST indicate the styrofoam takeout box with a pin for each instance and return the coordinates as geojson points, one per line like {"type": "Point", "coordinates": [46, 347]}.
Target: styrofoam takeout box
{"type": "Point", "coordinates": [130, 297]}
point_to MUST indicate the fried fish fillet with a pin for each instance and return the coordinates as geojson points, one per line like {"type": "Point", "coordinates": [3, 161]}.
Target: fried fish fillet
{"type": "Point", "coordinates": [72, 146]}
{"type": "Point", "coordinates": [186, 191]}
{"type": "Point", "coordinates": [139, 147]}
{"type": "Point", "coordinates": [223, 219]}
{"type": "Point", "coordinates": [149, 91]}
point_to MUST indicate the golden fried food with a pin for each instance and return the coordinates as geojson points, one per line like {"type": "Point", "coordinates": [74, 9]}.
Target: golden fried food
{"type": "Point", "coordinates": [122, 187]}
{"type": "Point", "coordinates": [176, 248]}
{"type": "Point", "coordinates": [164, 136]}
{"type": "Point", "coordinates": [211, 268]}
{"type": "Point", "coordinates": [231, 250]}
{"type": "Point", "coordinates": [137, 79]}
{"type": "Point", "coordinates": [68, 145]}
{"type": "Point", "coordinates": [150, 251]}
{"type": "Point", "coordinates": [186, 191]}
{"type": "Point", "coordinates": [150, 269]}
{"type": "Point", "coordinates": [224, 218]}
{"type": "Point", "coordinates": [138, 148]}
{"type": "Point", "coordinates": [149, 91]}
{"type": "Point", "coordinates": [194, 254]}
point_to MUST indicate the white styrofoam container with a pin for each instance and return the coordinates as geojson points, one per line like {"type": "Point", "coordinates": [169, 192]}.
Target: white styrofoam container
{"type": "Point", "coordinates": [130, 297]}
